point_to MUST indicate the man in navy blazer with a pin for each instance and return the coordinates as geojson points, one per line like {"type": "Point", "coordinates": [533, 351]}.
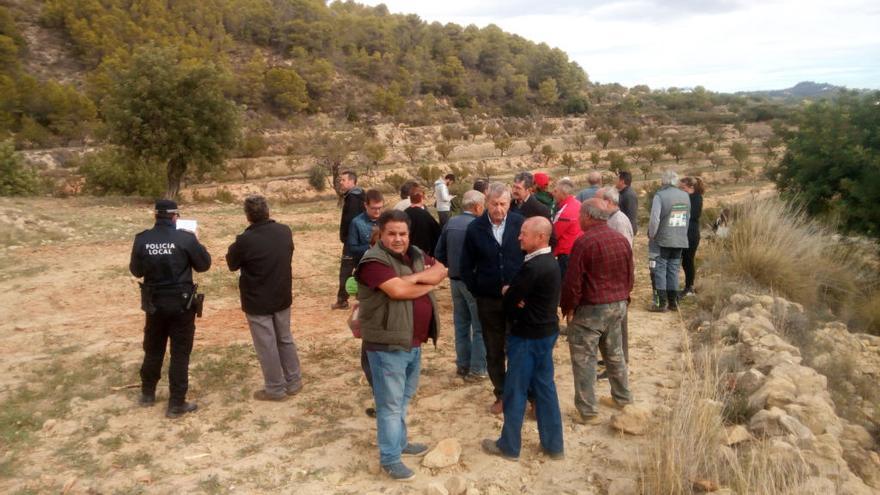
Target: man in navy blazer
{"type": "Point", "coordinates": [491, 257]}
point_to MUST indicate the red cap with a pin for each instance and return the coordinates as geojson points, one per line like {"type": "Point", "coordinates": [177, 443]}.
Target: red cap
{"type": "Point", "coordinates": [542, 179]}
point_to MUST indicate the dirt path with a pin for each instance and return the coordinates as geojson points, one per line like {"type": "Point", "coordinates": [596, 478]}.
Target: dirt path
{"type": "Point", "coordinates": [71, 340]}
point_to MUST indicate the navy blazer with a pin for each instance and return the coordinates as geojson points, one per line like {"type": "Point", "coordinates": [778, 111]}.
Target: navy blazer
{"type": "Point", "coordinates": [487, 266]}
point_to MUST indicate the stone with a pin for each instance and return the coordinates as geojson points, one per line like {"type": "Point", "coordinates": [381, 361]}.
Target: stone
{"type": "Point", "coordinates": [623, 486]}
{"type": "Point", "coordinates": [740, 300]}
{"type": "Point", "coordinates": [737, 434]}
{"type": "Point", "coordinates": [857, 435]}
{"type": "Point", "coordinates": [766, 423]}
{"type": "Point", "coordinates": [794, 427]}
{"type": "Point", "coordinates": [776, 391]}
{"type": "Point", "coordinates": [749, 381]}
{"type": "Point", "coordinates": [472, 491]}
{"type": "Point", "coordinates": [435, 489]}
{"type": "Point", "coordinates": [704, 486]}
{"type": "Point", "coordinates": [634, 419]}
{"type": "Point", "coordinates": [456, 485]}
{"type": "Point", "coordinates": [445, 454]}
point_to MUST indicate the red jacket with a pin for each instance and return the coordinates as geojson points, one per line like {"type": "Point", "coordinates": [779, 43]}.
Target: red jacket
{"type": "Point", "coordinates": [566, 225]}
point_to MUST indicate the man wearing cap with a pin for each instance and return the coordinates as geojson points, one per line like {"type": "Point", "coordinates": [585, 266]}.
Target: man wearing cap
{"type": "Point", "coordinates": [165, 258]}
{"type": "Point", "coordinates": [542, 181]}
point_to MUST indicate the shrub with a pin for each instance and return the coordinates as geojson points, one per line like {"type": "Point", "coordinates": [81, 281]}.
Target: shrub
{"type": "Point", "coordinates": [318, 178]}
{"type": "Point", "coordinates": [16, 178]}
{"type": "Point", "coordinates": [111, 172]}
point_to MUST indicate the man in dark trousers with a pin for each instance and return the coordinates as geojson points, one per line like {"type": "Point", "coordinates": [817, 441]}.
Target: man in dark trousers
{"type": "Point", "coordinates": [352, 206]}
{"type": "Point", "coordinates": [165, 257]}
{"type": "Point", "coordinates": [424, 230]}
{"type": "Point", "coordinates": [524, 202]}
{"type": "Point", "coordinates": [490, 258]}
{"type": "Point", "coordinates": [530, 303]}
{"type": "Point", "coordinates": [629, 201]}
{"type": "Point", "coordinates": [264, 252]}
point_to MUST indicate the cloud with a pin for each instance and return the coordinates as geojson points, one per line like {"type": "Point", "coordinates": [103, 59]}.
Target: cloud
{"type": "Point", "coordinates": [725, 45]}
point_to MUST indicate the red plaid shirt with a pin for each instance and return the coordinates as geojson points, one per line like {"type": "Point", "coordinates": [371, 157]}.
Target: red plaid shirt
{"type": "Point", "coordinates": [600, 269]}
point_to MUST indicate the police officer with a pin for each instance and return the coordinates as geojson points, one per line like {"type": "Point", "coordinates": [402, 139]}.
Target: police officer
{"type": "Point", "coordinates": [165, 258]}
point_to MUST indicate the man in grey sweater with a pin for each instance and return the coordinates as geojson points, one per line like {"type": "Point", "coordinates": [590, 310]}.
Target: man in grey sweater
{"type": "Point", "coordinates": [667, 228]}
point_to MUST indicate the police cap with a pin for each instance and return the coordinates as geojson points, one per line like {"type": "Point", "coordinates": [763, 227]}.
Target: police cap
{"type": "Point", "coordinates": [166, 206]}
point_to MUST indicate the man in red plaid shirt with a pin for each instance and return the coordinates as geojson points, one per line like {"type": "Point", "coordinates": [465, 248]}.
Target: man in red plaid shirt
{"type": "Point", "coordinates": [595, 293]}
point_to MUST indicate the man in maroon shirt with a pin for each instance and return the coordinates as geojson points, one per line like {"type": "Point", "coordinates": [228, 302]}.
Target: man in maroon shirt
{"type": "Point", "coordinates": [397, 314]}
{"type": "Point", "coordinates": [595, 294]}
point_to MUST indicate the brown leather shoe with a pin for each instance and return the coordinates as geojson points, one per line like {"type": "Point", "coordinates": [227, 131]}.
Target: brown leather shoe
{"type": "Point", "coordinates": [497, 407]}
{"type": "Point", "coordinates": [611, 402]}
{"type": "Point", "coordinates": [339, 305]}
{"type": "Point", "coordinates": [266, 396]}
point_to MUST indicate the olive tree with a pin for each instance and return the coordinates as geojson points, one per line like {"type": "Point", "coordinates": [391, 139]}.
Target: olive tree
{"type": "Point", "coordinates": [160, 108]}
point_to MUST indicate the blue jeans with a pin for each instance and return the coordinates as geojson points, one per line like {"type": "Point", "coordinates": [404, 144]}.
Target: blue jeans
{"type": "Point", "coordinates": [470, 350]}
{"type": "Point", "coordinates": [395, 380]}
{"type": "Point", "coordinates": [530, 369]}
{"type": "Point", "coordinates": [666, 271]}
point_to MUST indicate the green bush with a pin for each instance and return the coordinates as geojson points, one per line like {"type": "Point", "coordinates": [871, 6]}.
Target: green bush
{"type": "Point", "coordinates": [318, 178]}
{"type": "Point", "coordinates": [111, 172]}
{"type": "Point", "coordinates": [16, 178]}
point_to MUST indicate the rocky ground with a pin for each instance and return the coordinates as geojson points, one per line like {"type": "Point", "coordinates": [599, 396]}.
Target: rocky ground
{"type": "Point", "coordinates": [70, 347]}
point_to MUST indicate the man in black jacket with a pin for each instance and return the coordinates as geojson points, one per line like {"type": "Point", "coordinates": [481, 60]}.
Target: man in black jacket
{"type": "Point", "coordinates": [352, 206]}
{"type": "Point", "coordinates": [166, 257]}
{"type": "Point", "coordinates": [424, 230]}
{"type": "Point", "coordinates": [490, 258]}
{"type": "Point", "coordinates": [264, 252]}
{"type": "Point", "coordinates": [524, 202]}
{"type": "Point", "coordinates": [629, 201]}
{"type": "Point", "coordinates": [530, 303]}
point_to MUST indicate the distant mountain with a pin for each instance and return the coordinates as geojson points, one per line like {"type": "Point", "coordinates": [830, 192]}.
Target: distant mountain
{"type": "Point", "coordinates": [800, 91]}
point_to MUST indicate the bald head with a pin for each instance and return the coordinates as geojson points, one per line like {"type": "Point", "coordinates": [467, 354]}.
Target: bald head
{"type": "Point", "coordinates": [535, 234]}
{"type": "Point", "coordinates": [594, 178]}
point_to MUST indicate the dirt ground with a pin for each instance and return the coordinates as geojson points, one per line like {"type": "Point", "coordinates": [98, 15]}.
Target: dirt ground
{"type": "Point", "coordinates": [70, 348]}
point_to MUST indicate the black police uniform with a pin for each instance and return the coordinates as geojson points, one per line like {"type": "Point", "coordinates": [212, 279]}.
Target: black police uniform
{"type": "Point", "coordinates": [165, 257]}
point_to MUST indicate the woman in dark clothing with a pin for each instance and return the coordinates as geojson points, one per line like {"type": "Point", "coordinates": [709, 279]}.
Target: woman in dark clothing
{"type": "Point", "coordinates": [694, 187]}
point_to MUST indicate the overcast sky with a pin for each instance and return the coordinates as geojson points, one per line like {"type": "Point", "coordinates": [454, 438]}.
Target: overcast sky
{"type": "Point", "coordinates": [724, 45]}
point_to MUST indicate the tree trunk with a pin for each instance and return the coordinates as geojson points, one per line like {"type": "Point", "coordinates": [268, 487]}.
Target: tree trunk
{"type": "Point", "coordinates": [176, 169]}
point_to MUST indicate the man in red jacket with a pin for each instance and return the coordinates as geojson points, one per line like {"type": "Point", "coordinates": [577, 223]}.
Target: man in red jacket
{"type": "Point", "coordinates": [565, 221]}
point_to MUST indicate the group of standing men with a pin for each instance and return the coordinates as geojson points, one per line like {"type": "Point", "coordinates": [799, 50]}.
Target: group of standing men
{"type": "Point", "coordinates": [508, 264]}
{"type": "Point", "coordinates": [512, 266]}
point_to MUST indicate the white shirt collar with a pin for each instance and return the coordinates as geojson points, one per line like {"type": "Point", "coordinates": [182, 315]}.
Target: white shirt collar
{"type": "Point", "coordinates": [543, 250]}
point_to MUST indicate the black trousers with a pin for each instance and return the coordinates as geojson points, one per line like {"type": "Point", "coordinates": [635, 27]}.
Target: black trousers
{"type": "Point", "coordinates": [491, 313]}
{"type": "Point", "coordinates": [365, 365]}
{"type": "Point", "coordinates": [443, 216]}
{"type": "Point", "coordinates": [687, 261]}
{"type": "Point", "coordinates": [347, 266]}
{"type": "Point", "coordinates": [180, 329]}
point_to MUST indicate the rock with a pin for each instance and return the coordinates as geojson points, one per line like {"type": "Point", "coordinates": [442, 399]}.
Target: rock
{"type": "Point", "coordinates": [623, 486]}
{"type": "Point", "coordinates": [703, 486]}
{"type": "Point", "coordinates": [633, 419]}
{"type": "Point", "coordinates": [857, 435]}
{"type": "Point", "coordinates": [749, 381]}
{"type": "Point", "coordinates": [456, 485]}
{"type": "Point", "coordinates": [776, 391]}
{"type": "Point", "coordinates": [766, 423]}
{"type": "Point", "coordinates": [472, 491]}
{"type": "Point", "coordinates": [435, 489]}
{"type": "Point", "coordinates": [737, 434]}
{"type": "Point", "coordinates": [794, 427]}
{"type": "Point", "coordinates": [445, 454]}
{"type": "Point", "coordinates": [740, 300]}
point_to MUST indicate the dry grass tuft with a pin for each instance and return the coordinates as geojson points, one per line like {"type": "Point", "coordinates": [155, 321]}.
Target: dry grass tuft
{"type": "Point", "coordinates": [688, 446]}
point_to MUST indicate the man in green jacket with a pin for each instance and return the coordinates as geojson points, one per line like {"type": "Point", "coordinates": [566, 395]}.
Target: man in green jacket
{"type": "Point", "coordinates": [398, 313]}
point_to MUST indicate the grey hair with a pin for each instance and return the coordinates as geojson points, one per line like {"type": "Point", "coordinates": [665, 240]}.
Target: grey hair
{"type": "Point", "coordinates": [590, 210]}
{"type": "Point", "coordinates": [527, 179]}
{"type": "Point", "coordinates": [471, 199]}
{"type": "Point", "coordinates": [669, 178]}
{"type": "Point", "coordinates": [565, 185]}
{"type": "Point", "coordinates": [496, 190]}
{"type": "Point", "coordinates": [611, 194]}
{"type": "Point", "coordinates": [594, 178]}
{"type": "Point", "coordinates": [256, 208]}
